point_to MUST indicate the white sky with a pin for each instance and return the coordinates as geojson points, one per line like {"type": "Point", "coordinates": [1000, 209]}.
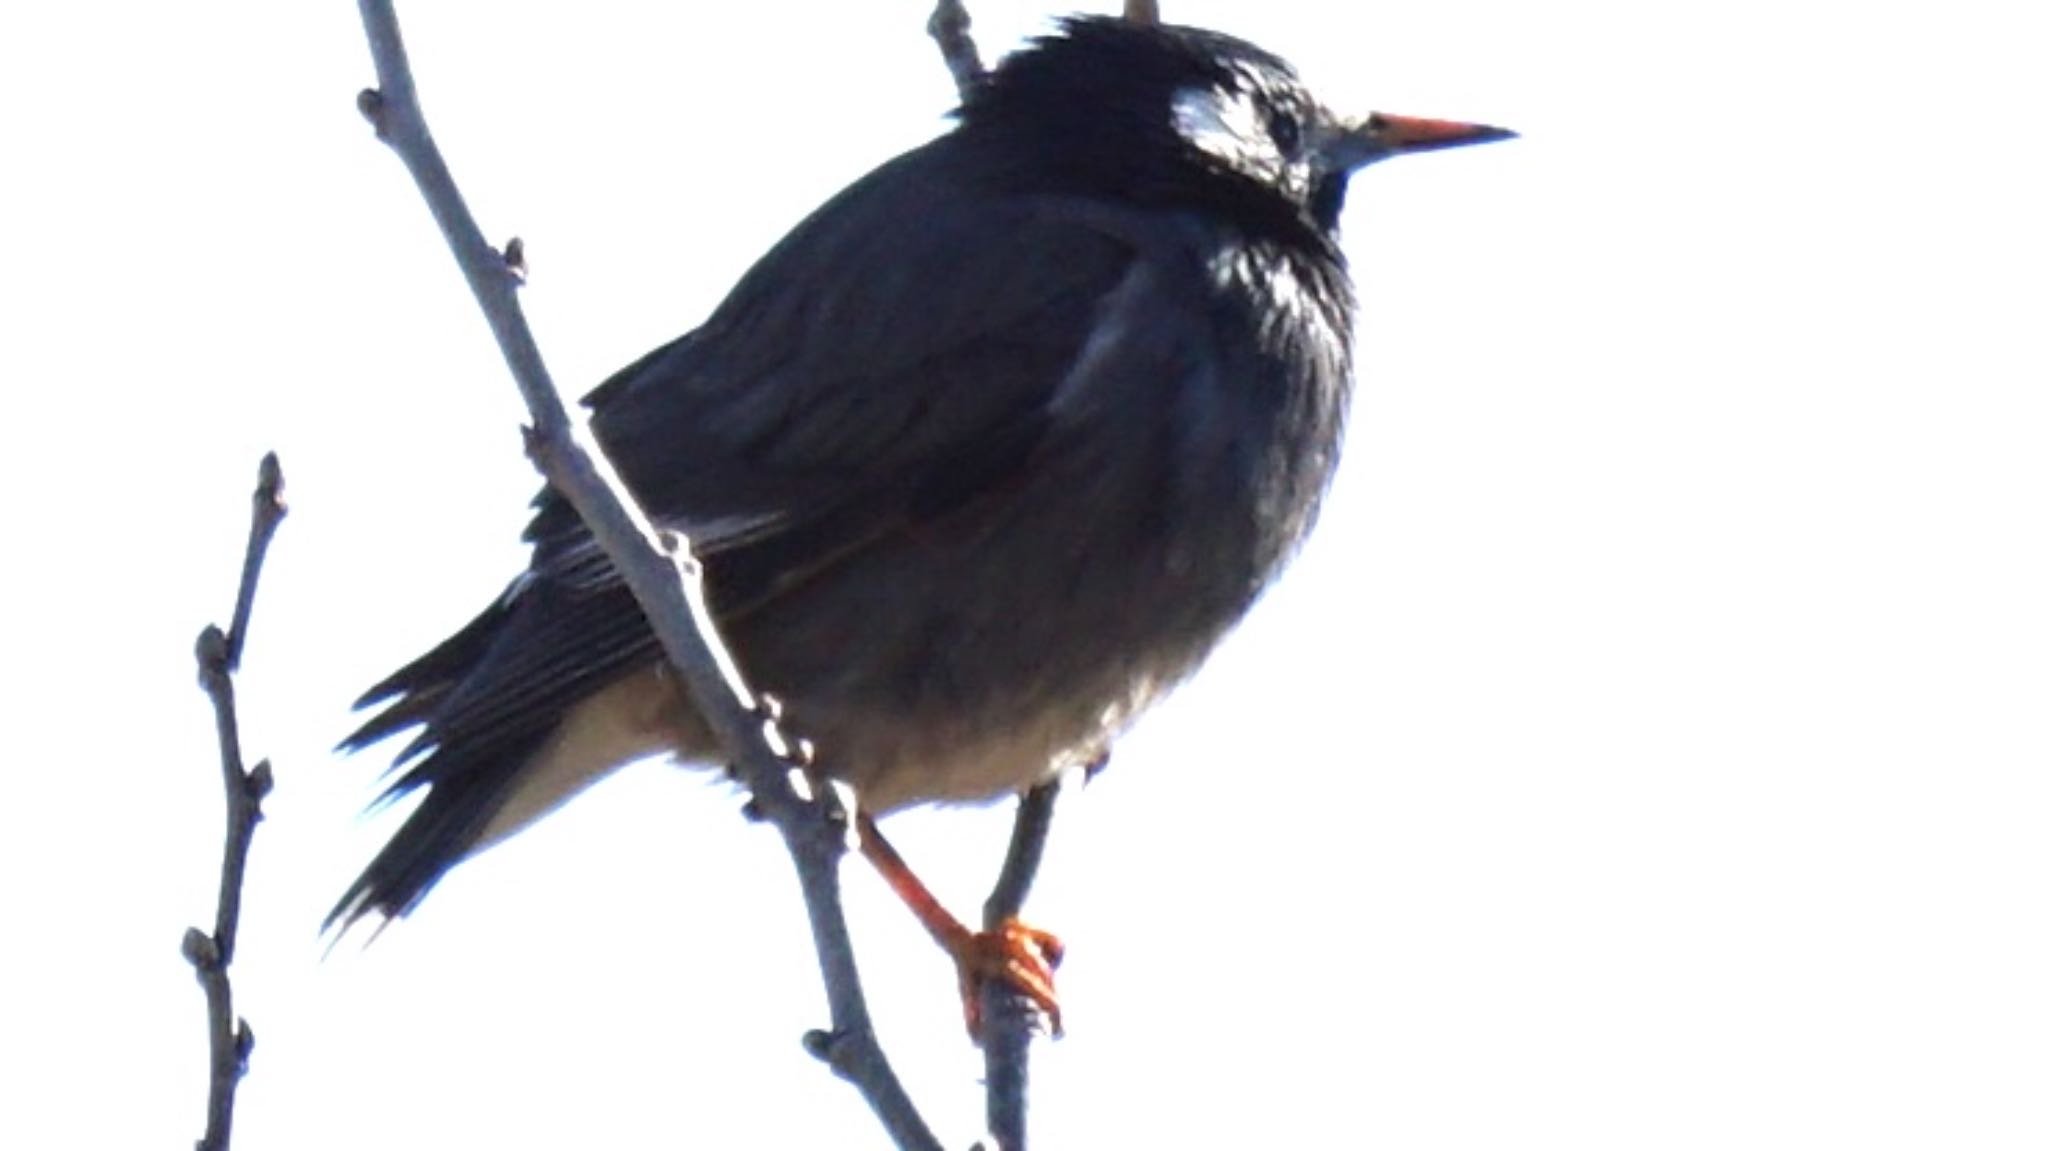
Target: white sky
{"type": "Point", "coordinates": [1649, 752]}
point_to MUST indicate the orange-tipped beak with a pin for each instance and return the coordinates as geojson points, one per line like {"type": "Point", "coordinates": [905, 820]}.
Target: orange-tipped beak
{"type": "Point", "coordinates": [1414, 134]}
{"type": "Point", "coordinates": [1378, 136]}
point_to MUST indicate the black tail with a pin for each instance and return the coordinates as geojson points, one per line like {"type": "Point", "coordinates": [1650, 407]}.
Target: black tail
{"type": "Point", "coordinates": [485, 701]}
{"type": "Point", "coordinates": [459, 802]}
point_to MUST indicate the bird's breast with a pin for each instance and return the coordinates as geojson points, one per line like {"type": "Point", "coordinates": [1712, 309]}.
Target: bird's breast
{"type": "Point", "coordinates": [972, 659]}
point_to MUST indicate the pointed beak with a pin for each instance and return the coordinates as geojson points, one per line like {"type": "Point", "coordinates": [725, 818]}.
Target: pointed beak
{"type": "Point", "coordinates": [1379, 136]}
{"type": "Point", "coordinates": [1413, 134]}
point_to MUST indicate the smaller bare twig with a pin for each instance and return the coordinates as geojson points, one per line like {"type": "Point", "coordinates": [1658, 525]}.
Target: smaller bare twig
{"type": "Point", "coordinates": [950, 26]}
{"type": "Point", "coordinates": [266, 513]}
{"type": "Point", "coordinates": [229, 1037]}
{"type": "Point", "coordinates": [1141, 11]}
{"type": "Point", "coordinates": [1009, 1019]}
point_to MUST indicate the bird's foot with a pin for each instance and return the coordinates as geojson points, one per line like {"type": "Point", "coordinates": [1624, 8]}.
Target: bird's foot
{"type": "Point", "coordinates": [1020, 956]}
{"type": "Point", "coordinates": [1016, 954]}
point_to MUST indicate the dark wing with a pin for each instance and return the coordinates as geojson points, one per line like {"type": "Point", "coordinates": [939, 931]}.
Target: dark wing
{"type": "Point", "coordinates": [897, 349]}
{"type": "Point", "coordinates": [890, 361]}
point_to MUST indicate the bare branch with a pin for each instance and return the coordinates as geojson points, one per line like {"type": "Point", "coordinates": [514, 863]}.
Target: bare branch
{"type": "Point", "coordinates": [267, 512]}
{"type": "Point", "coordinates": [229, 1039]}
{"type": "Point", "coordinates": [667, 583]}
{"type": "Point", "coordinates": [950, 26]}
{"type": "Point", "coordinates": [1009, 1019]}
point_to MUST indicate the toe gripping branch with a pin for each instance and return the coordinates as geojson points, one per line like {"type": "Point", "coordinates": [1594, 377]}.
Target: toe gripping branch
{"type": "Point", "coordinates": [1013, 952]}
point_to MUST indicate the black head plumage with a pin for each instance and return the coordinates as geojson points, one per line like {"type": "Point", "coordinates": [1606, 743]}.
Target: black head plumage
{"type": "Point", "coordinates": [1161, 116]}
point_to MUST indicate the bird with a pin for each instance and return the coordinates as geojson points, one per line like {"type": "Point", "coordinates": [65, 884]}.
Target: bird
{"type": "Point", "coordinates": [980, 461]}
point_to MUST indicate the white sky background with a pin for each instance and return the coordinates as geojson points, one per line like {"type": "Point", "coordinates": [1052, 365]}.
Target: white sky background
{"type": "Point", "coordinates": [1648, 752]}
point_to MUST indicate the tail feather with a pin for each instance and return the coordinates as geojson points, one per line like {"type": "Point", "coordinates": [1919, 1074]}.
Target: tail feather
{"type": "Point", "coordinates": [458, 803]}
{"type": "Point", "coordinates": [416, 690]}
{"type": "Point", "coordinates": [437, 834]}
{"type": "Point", "coordinates": [487, 702]}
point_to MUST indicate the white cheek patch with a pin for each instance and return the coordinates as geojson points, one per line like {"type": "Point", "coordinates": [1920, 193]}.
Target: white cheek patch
{"type": "Point", "coordinates": [1230, 127]}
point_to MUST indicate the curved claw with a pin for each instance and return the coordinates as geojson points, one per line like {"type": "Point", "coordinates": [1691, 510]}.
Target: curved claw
{"type": "Point", "coordinates": [1019, 955]}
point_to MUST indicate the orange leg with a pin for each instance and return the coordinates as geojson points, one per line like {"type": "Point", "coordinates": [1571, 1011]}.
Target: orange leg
{"type": "Point", "coordinates": [1021, 956]}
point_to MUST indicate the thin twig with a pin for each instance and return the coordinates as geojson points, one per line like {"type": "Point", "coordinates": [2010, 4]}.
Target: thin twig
{"type": "Point", "coordinates": [1009, 1019]}
{"type": "Point", "coordinates": [666, 581]}
{"type": "Point", "coordinates": [950, 26]}
{"type": "Point", "coordinates": [229, 1039]}
{"type": "Point", "coordinates": [266, 513]}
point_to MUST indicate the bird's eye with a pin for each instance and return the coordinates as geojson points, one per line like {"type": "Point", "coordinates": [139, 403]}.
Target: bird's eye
{"type": "Point", "coordinates": [1286, 132]}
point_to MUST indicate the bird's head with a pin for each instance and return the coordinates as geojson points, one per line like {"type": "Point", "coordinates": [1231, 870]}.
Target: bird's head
{"type": "Point", "coordinates": [1183, 117]}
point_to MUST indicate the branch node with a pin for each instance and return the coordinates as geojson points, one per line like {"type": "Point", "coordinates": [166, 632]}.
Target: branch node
{"type": "Point", "coordinates": [200, 950]}
{"type": "Point", "coordinates": [257, 784]}
{"type": "Point", "coordinates": [677, 549]}
{"type": "Point", "coordinates": [849, 1052]}
{"type": "Point", "coordinates": [270, 480]}
{"type": "Point", "coordinates": [818, 1043]}
{"type": "Point", "coordinates": [370, 102]}
{"type": "Point", "coordinates": [212, 653]}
